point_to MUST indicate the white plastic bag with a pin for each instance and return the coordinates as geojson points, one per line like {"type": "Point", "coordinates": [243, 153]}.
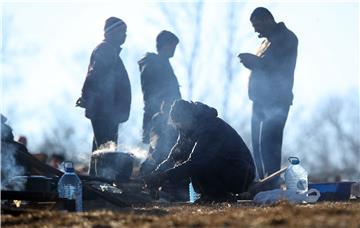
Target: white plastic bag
{"type": "Point", "coordinates": [272, 196]}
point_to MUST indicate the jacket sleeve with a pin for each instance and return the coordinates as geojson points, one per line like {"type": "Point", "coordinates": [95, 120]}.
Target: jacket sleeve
{"type": "Point", "coordinates": [150, 78]}
{"type": "Point", "coordinates": [205, 150]}
{"type": "Point", "coordinates": [101, 62]}
{"type": "Point", "coordinates": [179, 153]}
{"type": "Point", "coordinates": [280, 53]}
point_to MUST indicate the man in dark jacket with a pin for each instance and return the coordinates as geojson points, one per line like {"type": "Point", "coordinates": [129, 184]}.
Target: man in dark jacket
{"type": "Point", "coordinates": [209, 151]}
{"type": "Point", "coordinates": [106, 94]}
{"type": "Point", "coordinates": [158, 80]}
{"type": "Point", "coordinates": [270, 88]}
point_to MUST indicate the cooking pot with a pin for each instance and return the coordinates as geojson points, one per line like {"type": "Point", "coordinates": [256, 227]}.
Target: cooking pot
{"type": "Point", "coordinates": [117, 166]}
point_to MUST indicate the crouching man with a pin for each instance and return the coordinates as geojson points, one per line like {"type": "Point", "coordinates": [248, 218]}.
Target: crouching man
{"type": "Point", "coordinates": [208, 151]}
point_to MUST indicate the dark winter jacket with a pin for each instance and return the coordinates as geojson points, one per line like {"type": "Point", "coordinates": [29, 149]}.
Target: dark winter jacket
{"type": "Point", "coordinates": [271, 82]}
{"type": "Point", "coordinates": [159, 84]}
{"type": "Point", "coordinates": [107, 91]}
{"type": "Point", "coordinates": [211, 145]}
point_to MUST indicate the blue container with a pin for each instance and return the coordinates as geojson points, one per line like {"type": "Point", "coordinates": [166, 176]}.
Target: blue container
{"type": "Point", "coordinates": [333, 191]}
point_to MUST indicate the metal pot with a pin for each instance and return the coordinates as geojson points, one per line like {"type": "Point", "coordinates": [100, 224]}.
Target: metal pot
{"type": "Point", "coordinates": [117, 166]}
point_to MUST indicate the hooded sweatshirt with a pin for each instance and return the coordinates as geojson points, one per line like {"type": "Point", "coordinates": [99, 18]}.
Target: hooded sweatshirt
{"type": "Point", "coordinates": [158, 83]}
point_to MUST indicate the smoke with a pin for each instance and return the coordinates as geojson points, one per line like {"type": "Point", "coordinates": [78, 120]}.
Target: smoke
{"type": "Point", "coordinates": [118, 167]}
{"type": "Point", "coordinates": [139, 153]}
{"type": "Point", "coordinates": [10, 169]}
{"type": "Point", "coordinates": [105, 148]}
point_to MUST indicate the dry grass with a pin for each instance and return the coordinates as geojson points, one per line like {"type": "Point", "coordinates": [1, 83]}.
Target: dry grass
{"type": "Point", "coordinates": [283, 214]}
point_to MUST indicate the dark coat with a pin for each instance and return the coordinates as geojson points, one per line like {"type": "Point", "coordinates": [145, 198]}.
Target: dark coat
{"type": "Point", "coordinates": [271, 82]}
{"type": "Point", "coordinates": [106, 90]}
{"type": "Point", "coordinates": [159, 84]}
{"type": "Point", "coordinates": [212, 146]}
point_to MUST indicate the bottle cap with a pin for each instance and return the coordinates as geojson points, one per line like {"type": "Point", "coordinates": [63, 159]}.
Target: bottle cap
{"type": "Point", "coordinates": [68, 166]}
{"type": "Point", "coordinates": [294, 160]}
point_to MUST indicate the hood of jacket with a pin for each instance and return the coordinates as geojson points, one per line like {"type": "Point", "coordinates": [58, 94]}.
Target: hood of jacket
{"type": "Point", "coordinates": [204, 112]}
{"type": "Point", "coordinates": [149, 59]}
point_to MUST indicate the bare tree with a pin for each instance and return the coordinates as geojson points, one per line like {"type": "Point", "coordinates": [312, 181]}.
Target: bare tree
{"type": "Point", "coordinates": [231, 28]}
{"type": "Point", "coordinates": [329, 141]}
{"type": "Point", "coordinates": [194, 12]}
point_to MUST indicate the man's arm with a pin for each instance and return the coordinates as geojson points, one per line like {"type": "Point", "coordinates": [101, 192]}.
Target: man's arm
{"type": "Point", "coordinates": [249, 60]}
{"type": "Point", "coordinates": [101, 63]}
{"type": "Point", "coordinates": [281, 53]}
{"type": "Point", "coordinates": [179, 153]}
{"type": "Point", "coordinates": [278, 54]}
{"type": "Point", "coordinates": [205, 150]}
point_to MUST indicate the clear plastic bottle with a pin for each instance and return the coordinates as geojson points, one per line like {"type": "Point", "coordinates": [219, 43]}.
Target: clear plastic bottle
{"type": "Point", "coordinates": [70, 186]}
{"type": "Point", "coordinates": [296, 177]}
{"type": "Point", "coordinates": [193, 195]}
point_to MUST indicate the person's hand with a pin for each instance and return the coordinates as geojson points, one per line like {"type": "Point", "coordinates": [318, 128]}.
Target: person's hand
{"type": "Point", "coordinates": [248, 60]}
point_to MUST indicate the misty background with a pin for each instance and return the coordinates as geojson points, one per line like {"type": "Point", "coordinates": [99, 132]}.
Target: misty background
{"type": "Point", "coordinates": [46, 48]}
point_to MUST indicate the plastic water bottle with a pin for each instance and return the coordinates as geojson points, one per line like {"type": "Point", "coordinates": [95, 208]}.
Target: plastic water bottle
{"type": "Point", "coordinates": [296, 177]}
{"type": "Point", "coordinates": [70, 186]}
{"type": "Point", "coordinates": [193, 195]}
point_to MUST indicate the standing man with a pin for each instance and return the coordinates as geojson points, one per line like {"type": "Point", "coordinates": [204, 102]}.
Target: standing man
{"type": "Point", "coordinates": [270, 88]}
{"type": "Point", "coordinates": [106, 94]}
{"type": "Point", "coordinates": [159, 84]}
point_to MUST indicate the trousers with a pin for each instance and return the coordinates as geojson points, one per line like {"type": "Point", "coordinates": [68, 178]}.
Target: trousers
{"type": "Point", "coordinates": [267, 126]}
{"type": "Point", "coordinates": [105, 130]}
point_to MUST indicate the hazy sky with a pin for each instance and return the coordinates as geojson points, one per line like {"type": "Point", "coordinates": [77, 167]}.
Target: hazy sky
{"type": "Point", "coordinates": [46, 47]}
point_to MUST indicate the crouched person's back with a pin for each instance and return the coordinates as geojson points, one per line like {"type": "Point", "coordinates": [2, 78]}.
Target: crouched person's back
{"type": "Point", "coordinates": [228, 167]}
{"type": "Point", "coordinates": [218, 162]}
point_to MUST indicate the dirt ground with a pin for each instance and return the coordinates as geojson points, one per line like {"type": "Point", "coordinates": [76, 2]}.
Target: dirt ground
{"type": "Point", "coordinates": [283, 214]}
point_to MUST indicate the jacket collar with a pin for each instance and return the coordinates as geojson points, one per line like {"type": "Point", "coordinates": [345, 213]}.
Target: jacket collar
{"type": "Point", "coordinates": [114, 45]}
{"type": "Point", "coordinates": [278, 28]}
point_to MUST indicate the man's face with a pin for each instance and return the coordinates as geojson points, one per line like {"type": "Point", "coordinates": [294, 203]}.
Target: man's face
{"type": "Point", "coordinates": [118, 34]}
{"type": "Point", "coordinates": [261, 26]}
{"type": "Point", "coordinates": [169, 49]}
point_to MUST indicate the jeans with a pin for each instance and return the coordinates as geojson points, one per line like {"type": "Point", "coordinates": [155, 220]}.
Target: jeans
{"type": "Point", "coordinates": [267, 126]}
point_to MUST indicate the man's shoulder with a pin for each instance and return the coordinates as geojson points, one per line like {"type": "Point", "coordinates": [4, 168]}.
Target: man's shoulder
{"type": "Point", "coordinates": [150, 61]}
{"type": "Point", "coordinates": [286, 34]}
{"type": "Point", "coordinates": [149, 58]}
{"type": "Point", "coordinates": [104, 49]}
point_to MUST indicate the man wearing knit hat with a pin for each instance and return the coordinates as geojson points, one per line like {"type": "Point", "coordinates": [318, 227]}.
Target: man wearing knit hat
{"type": "Point", "coordinates": [106, 94]}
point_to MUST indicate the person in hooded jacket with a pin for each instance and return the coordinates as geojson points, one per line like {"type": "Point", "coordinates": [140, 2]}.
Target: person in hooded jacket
{"type": "Point", "coordinates": [106, 93]}
{"type": "Point", "coordinates": [208, 151]}
{"type": "Point", "coordinates": [158, 80]}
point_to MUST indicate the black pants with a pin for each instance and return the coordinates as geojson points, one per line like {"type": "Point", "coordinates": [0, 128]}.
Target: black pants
{"type": "Point", "coordinates": [267, 126]}
{"type": "Point", "coordinates": [105, 130]}
{"type": "Point", "coordinates": [223, 178]}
